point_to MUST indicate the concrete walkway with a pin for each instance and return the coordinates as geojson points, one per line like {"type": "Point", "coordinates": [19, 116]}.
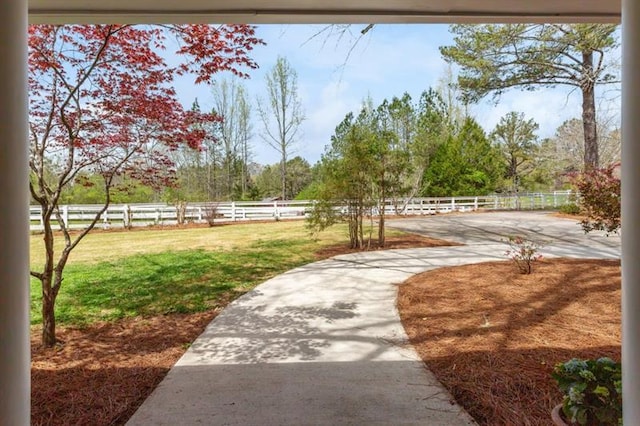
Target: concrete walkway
{"type": "Point", "coordinates": [323, 344]}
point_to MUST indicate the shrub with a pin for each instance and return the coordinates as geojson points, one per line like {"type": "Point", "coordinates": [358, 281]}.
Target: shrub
{"type": "Point", "coordinates": [592, 391]}
{"type": "Point", "coordinates": [571, 208]}
{"type": "Point", "coordinates": [600, 199]}
{"type": "Point", "coordinates": [523, 253]}
{"type": "Point", "coordinates": [210, 213]}
{"type": "Point", "coordinates": [181, 212]}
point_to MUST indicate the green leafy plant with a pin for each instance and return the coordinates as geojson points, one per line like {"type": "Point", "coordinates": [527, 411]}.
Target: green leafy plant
{"type": "Point", "coordinates": [592, 391]}
{"type": "Point", "coordinates": [523, 253]}
{"type": "Point", "coordinates": [570, 208]}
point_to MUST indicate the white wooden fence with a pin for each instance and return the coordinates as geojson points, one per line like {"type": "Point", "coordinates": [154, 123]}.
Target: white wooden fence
{"type": "Point", "coordinates": [130, 215]}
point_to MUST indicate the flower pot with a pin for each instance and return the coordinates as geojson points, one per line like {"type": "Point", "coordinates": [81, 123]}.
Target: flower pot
{"type": "Point", "coordinates": [556, 416]}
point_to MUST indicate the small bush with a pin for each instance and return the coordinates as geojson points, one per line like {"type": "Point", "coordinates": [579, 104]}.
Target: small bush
{"type": "Point", "coordinates": [181, 212]}
{"type": "Point", "coordinates": [523, 253]}
{"type": "Point", "coordinates": [211, 213]}
{"type": "Point", "coordinates": [600, 199]}
{"type": "Point", "coordinates": [571, 208]}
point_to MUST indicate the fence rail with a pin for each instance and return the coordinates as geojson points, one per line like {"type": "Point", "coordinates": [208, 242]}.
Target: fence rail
{"type": "Point", "coordinates": [133, 215]}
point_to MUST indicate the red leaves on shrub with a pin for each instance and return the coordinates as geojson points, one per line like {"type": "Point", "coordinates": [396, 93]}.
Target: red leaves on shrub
{"type": "Point", "coordinates": [600, 198]}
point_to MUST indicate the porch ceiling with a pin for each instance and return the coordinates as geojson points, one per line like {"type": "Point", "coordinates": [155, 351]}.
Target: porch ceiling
{"type": "Point", "coordinates": [322, 11]}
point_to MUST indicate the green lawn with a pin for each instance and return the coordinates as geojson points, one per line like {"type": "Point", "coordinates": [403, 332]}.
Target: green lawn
{"type": "Point", "coordinates": [113, 275]}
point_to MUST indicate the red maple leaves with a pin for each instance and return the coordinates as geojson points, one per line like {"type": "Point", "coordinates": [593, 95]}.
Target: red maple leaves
{"type": "Point", "coordinates": [102, 96]}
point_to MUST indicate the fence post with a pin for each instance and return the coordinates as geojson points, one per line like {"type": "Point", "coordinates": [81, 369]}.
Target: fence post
{"type": "Point", "coordinates": [233, 211]}
{"type": "Point", "coordinates": [65, 215]}
{"type": "Point", "coordinates": [276, 212]}
{"type": "Point", "coordinates": [453, 204]}
{"type": "Point", "coordinates": [199, 214]}
{"type": "Point", "coordinates": [495, 202]}
{"type": "Point", "coordinates": [125, 215]}
{"type": "Point", "coordinates": [475, 204]}
{"type": "Point", "coordinates": [104, 217]}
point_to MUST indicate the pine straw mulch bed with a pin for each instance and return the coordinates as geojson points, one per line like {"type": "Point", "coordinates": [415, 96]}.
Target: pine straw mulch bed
{"type": "Point", "coordinates": [395, 242]}
{"type": "Point", "coordinates": [100, 374]}
{"type": "Point", "coordinates": [492, 335]}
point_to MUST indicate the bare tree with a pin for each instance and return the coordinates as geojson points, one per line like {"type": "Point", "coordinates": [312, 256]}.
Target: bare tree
{"type": "Point", "coordinates": [282, 114]}
{"type": "Point", "coordinates": [244, 129]}
{"type": "Point", "coordinates": [230, 102]}
{"type": "Point", "coordinates": [568, 143]}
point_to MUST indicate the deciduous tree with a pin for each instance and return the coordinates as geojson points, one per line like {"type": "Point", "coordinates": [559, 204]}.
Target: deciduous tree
{"type": "Point", "coordinates": [516, 138]}
{"type": "Point", "coordinates": [366, 165]}
{"type": "Point", "coordinates": [434, 126]}
{"type": "Point", "coordinates": [282, 113]}
{"type": "Point", "coordinates": [347, 174]}
{"type": "Point", "coordinates": [392, 124]}
{"type": "Point", "coordinates": [102, 102]}
{"type": "Point", "coordinates": [568, 143]}
{"type": "Point", "coordinates": [232, 105]}
{"type": "Point", "coordinates": [268, 181]}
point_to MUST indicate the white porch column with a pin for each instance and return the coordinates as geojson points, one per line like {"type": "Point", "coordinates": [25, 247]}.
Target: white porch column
{"type": "Point", "coordinates": [14, 223]}
{"type": "Point", "coordinates": [631, 211]}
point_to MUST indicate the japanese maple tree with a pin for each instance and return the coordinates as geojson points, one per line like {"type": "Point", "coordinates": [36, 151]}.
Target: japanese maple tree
{"type": "Point", "coordinates": [102, 102]}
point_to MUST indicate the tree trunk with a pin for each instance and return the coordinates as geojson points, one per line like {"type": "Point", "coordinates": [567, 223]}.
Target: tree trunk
{"type": "Point", "coordinates": [513, 171]}
{"type": "Point", "coordinates": [51, 283]}
{"type": "Point", "coordinates": [383, 205]}
{"type": "Point", "coordinates": [230, 176]}
{"type": "Point", "coordinates": [48, 314]}
{"type": "Point", "coordinates": [46, 281]}
{"type": "Point", "coordinates": [381, 238]}
{"type": "Point", "coordinates": [361, 225]}
{"type": "Point", "coordinates": [283, 171]}
{"type": "Point", "coordinates": [213, 185]}
{"type": "Point", "coordinates": [51, 276]}
{"type": "Point", "coordinates": [245, 159]}
{"type": "Point", "coordinates": [591, 159]}
{"type": "Point", "coordinates": [354, 225]}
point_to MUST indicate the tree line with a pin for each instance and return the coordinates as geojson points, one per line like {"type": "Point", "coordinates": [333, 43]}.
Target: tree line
{"type": "Point", "coordinates": [428, 147]}
{"type": "Point", "coordinates": [431, 148]}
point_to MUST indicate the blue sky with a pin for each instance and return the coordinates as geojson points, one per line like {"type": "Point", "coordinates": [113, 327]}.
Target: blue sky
{"type": "Point", "coordinates": [388, 61]}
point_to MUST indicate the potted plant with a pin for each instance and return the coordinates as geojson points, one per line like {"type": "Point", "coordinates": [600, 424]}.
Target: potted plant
{"type": "Point", "coordinates": [592, 392]}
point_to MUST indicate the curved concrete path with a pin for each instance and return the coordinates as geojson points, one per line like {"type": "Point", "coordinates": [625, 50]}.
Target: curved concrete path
{"type": "Point", "coordinates": [323, 344]}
